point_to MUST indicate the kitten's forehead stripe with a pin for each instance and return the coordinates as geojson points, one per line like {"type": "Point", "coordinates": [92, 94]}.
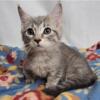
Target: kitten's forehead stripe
{"type": "Point", "coordinates": [44, 24]}
{"type": "Point", "coordinates": [39, 20]}
{"type": "Point", "coordinates": [34, 26]}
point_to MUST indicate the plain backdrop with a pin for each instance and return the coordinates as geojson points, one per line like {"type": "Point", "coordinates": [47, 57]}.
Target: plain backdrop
{"type": "Point", "coordinates": [81, 26]}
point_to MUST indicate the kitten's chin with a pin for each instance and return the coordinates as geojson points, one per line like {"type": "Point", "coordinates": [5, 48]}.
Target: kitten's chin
{"type": "Point", "coordinates": [39, 47]}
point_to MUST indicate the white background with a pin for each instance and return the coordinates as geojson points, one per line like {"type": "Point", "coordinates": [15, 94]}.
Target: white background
{"type": "Point", "coordinates": [81, 26]}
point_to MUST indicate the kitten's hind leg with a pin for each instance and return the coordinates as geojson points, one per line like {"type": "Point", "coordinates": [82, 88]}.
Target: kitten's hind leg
{"type": "Point", "coordinates": [72, 82]}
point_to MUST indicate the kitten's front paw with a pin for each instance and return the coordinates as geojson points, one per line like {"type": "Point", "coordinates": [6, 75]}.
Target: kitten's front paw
{"type": "Point", "coordinates": [51, 91]}
{"type": "Point", "coordinates": [28, 81]}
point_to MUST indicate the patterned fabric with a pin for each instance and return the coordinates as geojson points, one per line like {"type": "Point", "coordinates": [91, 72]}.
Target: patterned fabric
{"type": "Point", "coordinates": [13, 86]}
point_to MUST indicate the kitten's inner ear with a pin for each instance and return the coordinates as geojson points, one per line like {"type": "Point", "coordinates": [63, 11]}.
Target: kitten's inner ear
{"type": "Point", "coordinates": [23, 16]}
{"type": "Point", "coordinates": [56, 14]}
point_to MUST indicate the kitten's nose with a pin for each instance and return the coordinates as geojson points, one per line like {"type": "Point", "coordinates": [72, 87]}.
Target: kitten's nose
{"type": "Point", "coordinates": [37, 40]}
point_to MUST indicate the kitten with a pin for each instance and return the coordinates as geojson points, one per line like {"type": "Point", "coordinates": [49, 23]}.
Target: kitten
{"type": "Point", "coordinates": [63, 67]}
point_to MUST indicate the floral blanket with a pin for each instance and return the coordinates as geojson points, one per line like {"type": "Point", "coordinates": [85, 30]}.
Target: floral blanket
{"type": "Point", "coordinates": [13, 86]}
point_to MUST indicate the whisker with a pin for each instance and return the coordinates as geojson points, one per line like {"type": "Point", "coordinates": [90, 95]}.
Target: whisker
{"type": "Point", "coordinates": [26, 44]}
{"type": "Point", "coordinates": [29, 49]}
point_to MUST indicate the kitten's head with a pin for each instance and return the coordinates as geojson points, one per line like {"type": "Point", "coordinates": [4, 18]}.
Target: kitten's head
{"type": "Point", "coordinates": [41, 31]}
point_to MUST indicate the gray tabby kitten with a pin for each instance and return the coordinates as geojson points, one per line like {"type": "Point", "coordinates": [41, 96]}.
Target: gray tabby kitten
{"type": "Point", "coordinates": [63, 67]}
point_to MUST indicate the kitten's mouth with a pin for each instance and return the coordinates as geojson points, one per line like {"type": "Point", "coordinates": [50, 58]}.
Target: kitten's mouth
{"type": "Point", "coordinates": [38, 45]}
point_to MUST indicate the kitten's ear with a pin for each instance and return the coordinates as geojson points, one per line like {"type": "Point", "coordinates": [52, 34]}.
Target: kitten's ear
{"type": "Point", "coordinates": [23, 16]}
{"type": "Point", "coordinates": [56, 14]}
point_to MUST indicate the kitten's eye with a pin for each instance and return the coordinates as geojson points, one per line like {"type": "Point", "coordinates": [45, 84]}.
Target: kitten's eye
{"type": "Point", "coordinates": [30, 31]}
{"type": "Point", "coordinates": [47, 30]}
